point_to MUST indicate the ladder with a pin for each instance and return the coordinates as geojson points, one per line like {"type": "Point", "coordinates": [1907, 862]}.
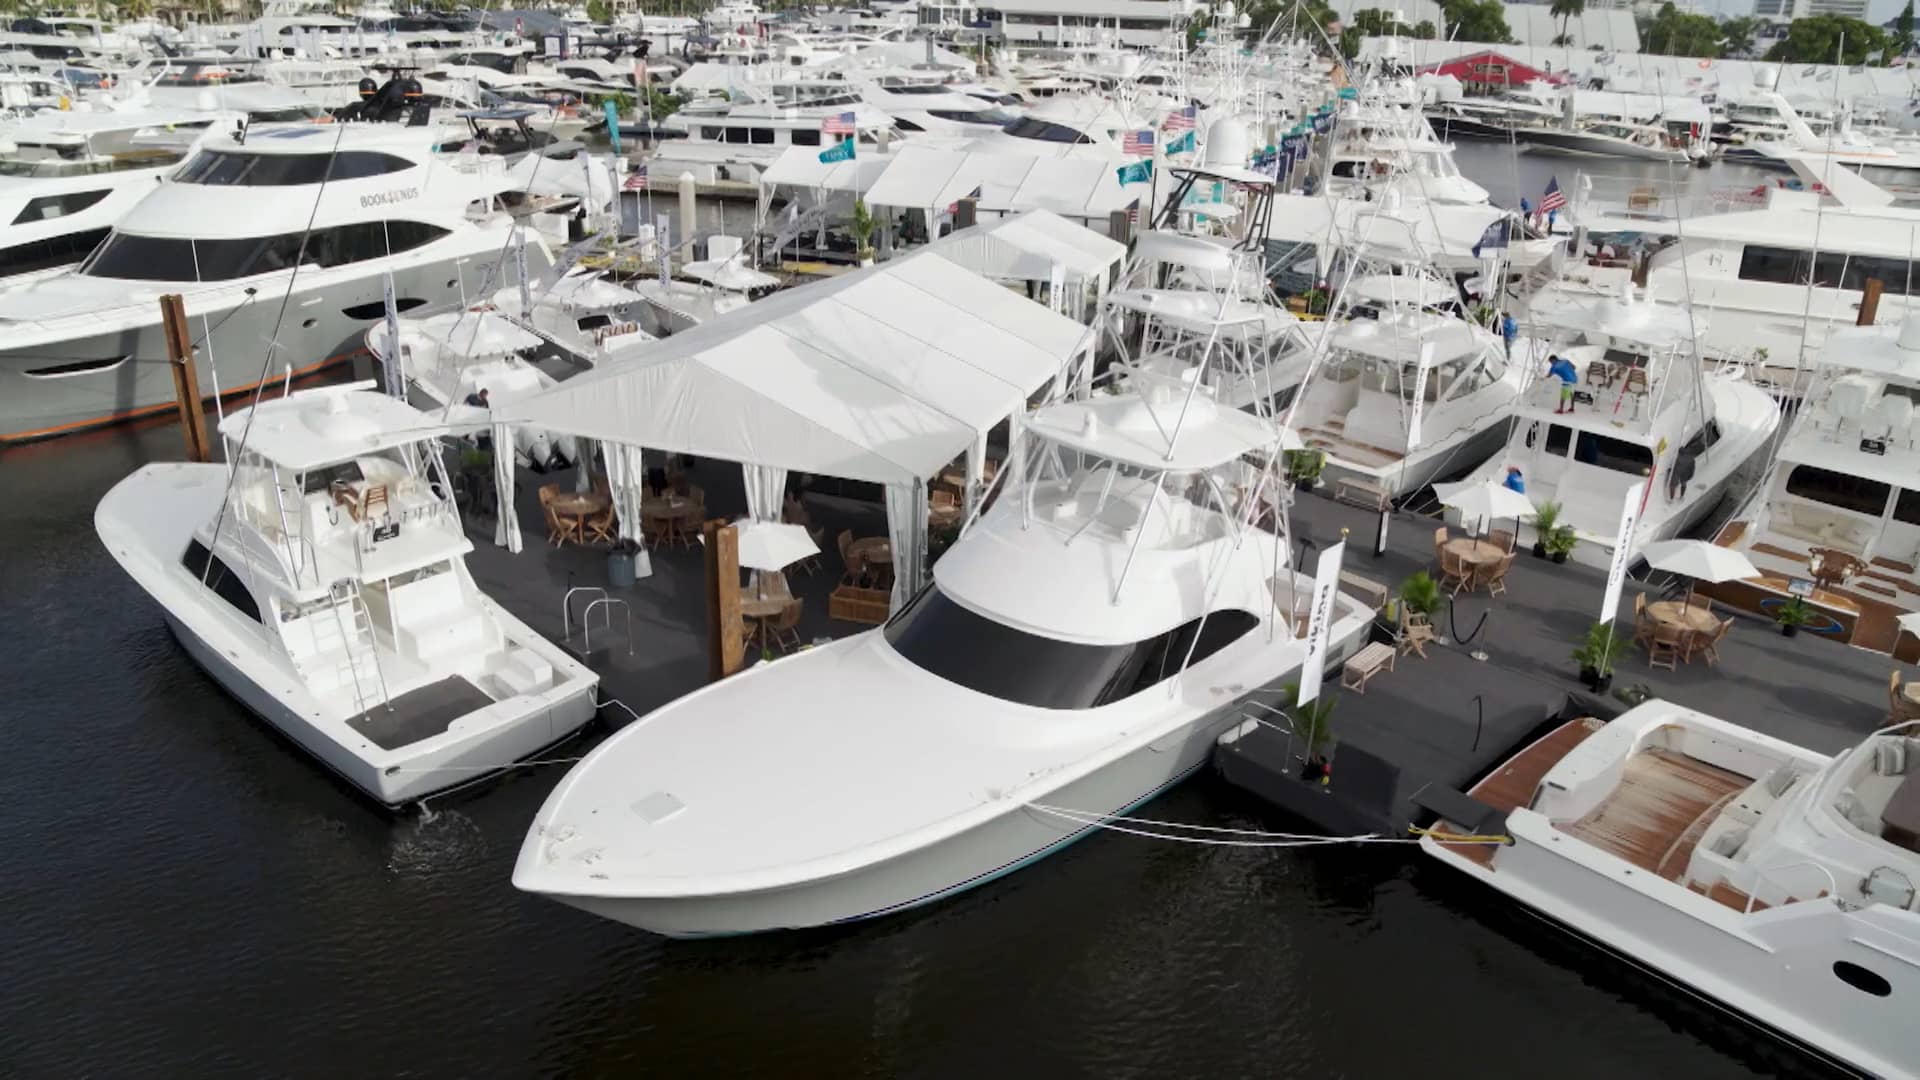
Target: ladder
{"type": "Point", "coordinates": [362, 658]}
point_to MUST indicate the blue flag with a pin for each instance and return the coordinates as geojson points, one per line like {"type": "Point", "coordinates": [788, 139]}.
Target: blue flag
{"type": "Point", "coordinates": [613, 125]}
{"type": "Point", "coordinates": [1182, 145]}
{"type": "Point", "coordinates": [1138, 172]}
{"type": "Point", "coordinates": [842, 152]}
{"type": "Point", "coordinates": [1494, 237]}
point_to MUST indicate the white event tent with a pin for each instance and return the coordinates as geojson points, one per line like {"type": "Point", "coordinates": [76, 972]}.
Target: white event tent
{"type": "Point", "coordinates": [886, 374]}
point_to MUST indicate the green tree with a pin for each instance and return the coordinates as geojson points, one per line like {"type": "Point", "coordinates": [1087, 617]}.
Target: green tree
{"type": "Point", "coordinates": [1736, 35]}
{"type": "Point", "coordinates": [599, 12]}
{"type": "Point", "coordinates": [1424, 30]}
{"type": "Point", "coordinates": [1902, 32]}
{"type": "Point", "coordinates": [1818, 39]}
{"type": "Point", "coordinates": [1373, 22]}
{"type": "Point", "coordinates": [1675, 33]}
{"type": "Point", "coordinates": [1565, 10]}
{"type": "Point", "coordinates": [1475, 20]}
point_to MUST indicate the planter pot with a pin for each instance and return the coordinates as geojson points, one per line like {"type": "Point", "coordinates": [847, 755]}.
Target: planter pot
{"type": "Point", "coordinates": [1539, 551]}
{"type": "Point", "coordinates": [1788, 631]}
{"type": "Point", "coordinates": [1304, 487]}
{"type": "Point", "coordinates": [620, 570]}
{"type": "Point", "coordinates": [1316, 770]}
{"type": "Point", "coordinates": [1559, 557]}
{"type": "Point", "coordinates": [1601, 683]}
{"type": "Point", "coordinates": [1589, 676]}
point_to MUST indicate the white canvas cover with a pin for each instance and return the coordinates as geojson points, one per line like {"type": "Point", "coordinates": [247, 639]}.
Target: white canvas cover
{"type": "Point", "coordinates": [1029, 246]}
{"type": "Point", "coordinates": [800, 166]}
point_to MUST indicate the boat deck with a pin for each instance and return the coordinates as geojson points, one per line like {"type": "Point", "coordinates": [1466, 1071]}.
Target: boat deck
{"type": "Point", "coordinates": [1512, 785]}
{"type": "Point", "coordinates": [419, 714]}
{"type": "Point", "coordinates": [1661, 797]}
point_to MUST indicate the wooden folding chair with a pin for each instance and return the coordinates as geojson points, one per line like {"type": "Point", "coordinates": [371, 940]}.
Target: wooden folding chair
{"type": "Point", "coordinates": [1667, 643]}
{"type": "Point", "coordinates": [1454, 569]}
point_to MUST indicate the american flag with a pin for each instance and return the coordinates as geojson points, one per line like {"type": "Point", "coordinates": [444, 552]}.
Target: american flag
{"type": "Point", "coordinates": [838, 125]}
{"type": "Point", "coordinates": [1182, 120]}
{"type": "Point", "coordinates": [1554, 199]}
{"type": "Point", "coordinates": [637, 180]}
{"type": "Point", "coordinates": [1137, 143]}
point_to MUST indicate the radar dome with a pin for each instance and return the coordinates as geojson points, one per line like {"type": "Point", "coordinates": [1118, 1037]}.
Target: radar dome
{"type": "Point", "coordinates": [1227, 143]}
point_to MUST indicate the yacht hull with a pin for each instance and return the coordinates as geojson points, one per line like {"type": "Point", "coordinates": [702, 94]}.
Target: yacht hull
{"type": "Point", "coordinates": [1018, 836]}
{"type": "Point", "coordinates": [52, 386]}
{"type": "Point", "coordinates": [1774, 968]}
{"type": "Point", "coordinates": [1420, 469]}
{"type": "Point", "coordinates": [1584, 145]}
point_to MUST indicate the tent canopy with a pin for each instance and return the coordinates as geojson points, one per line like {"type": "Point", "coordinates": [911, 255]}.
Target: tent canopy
{"type": "Point", "coordinates": [884, 374]}
{"type": "Point", "coordinates": [922, 177]}
{"type": "Point", "coordinates": [800, 166]}
{"type": "Point", "coordinates": [1029, 246]}
{"type": "Point", "coordinates": [1491, 68]}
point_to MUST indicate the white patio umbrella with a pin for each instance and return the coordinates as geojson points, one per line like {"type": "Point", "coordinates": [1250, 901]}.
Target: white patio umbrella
{"type": "Point", "coordinates": [1700, 561]}
{"type": "Point", "coordinates": [1484, 501]}
{"type": "Point", "coordinates": [767, 545]}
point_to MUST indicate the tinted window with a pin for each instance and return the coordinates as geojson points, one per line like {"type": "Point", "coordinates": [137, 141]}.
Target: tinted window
{"type": "Point", "coordinates": [229, 168]}
{"type": "Point", "coordinates": [1854, 493]}
{"type": "Point", "coordinates": [1702, 439]}
{"type": "Point", "coordinates": [48, 207]}
{"type": "Point", "coordinates": [761, 136]}
{"type": "Point", "coordinates": [736, 135]}
{"type": "Point", "coordinates": [1616, 454]}
{"type": "Point", "coordinates": [806, 137]}
{"type": "Point", "coordinates": [1782, 265]}
{"type": "Point", "coordinates": [907, 125]}
{"type": "Point", "coordinates": [1907, 507]}
{"type": "Point", "coordinates": [710, 132]}
{"type": "Point", "coordinates": [1028, 127]}
{"type": "Point", "coordinates": [951, 642]}
{"type": "Point", "coordinates": [49, 253]}
{"type": "Point", "coordinates": [1559, 437]}
{"type": "Point", "coordinates": [207, 567]}
{"type": "Point", "coordinates": [154, 258]}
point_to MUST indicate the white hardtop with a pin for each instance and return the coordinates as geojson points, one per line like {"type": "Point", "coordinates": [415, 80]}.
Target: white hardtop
{"type": "Point", "coordinates": [1622, 318]}
{"type": "Point", "coordinates": [1399, 337]}
{"type": "Point", "coordinates": [1888, 351]}
{"type": "Point", "coordinates": [327, 425]}
{"type": "Point", "coordinates": [1411, 289]}
{"type": "Point", "coordinates": [1160, 427]}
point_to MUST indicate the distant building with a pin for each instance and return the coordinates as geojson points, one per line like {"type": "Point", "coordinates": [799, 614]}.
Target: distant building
{"type": "Point", "coordinates": [1604, 26]}
{"type": "Point", "coordinates": [1789, 10]}
{"type": "Point", "coordinates": [1136, 23]}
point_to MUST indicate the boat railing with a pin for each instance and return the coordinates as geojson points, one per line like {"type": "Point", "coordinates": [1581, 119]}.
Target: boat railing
{"type": "Point", "coordinates": [1768, 877]}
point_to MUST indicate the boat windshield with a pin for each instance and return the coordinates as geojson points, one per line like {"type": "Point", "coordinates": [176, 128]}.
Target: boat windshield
{"type": "Point", "coordinates": [952, 642]}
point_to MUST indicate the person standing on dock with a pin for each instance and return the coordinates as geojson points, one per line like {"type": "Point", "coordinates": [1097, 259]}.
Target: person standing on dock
{"type": "Point", "coordinates": [1509, 330]}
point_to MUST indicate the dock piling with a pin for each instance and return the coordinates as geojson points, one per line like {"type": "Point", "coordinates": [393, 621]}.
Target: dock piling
{"type": "Point", "coordinates": [186, 381]}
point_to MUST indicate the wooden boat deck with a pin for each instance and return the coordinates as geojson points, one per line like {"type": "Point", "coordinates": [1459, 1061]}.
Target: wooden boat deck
{"type": "Point", "coordinates": [1661, 795]}
{"type": "Point", "coordinates": [1512, 785]}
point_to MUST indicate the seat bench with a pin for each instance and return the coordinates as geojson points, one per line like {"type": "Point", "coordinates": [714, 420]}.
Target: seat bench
{"type": "Point", "coordinates": [1356, 492]}
{"type": "Point", "coordinates": [1365, 664]}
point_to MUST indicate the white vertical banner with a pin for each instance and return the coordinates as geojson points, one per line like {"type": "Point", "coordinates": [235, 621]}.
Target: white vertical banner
{"type": "Point", "coordinates": [1622, 550]}
{"type": "Point", "coordinates": [1326, 583]}
{"type": "Point", "coordinates": [520, 269]}
{"type": "Point", "coordinates": [396, 364]}
{"type": "Point", "coordinates": [1420, 373]}
{"type": "Point", "coordinates": [663, 236]}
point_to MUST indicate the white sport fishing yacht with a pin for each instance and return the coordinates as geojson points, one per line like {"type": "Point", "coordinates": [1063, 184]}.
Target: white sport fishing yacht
{"type": "Point", "coordinates": [67, 177]}
{"type": "Point", "coordinates": [1645, 408]}
{"type": "Point", "coordinates": [1841, 507]}
{"type": "Point", "coordinates": [1081, 646]}
{"type": "Point", "coordinates": [285, 237]}
{"type": "Point", "coordinates": [1771, 880]}
{"type": "Point", "coordinates": [319, 577]}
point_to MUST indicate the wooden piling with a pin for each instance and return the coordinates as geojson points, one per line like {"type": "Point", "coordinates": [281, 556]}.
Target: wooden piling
{"type": "Point", "coordinates": [965, 213]}
{"type": "Point", "coordinates": [726, 652]}
{"type": "Point", "coordinates": [1870, 303]}
{"type": "Point", "coordinates": [186, 380]}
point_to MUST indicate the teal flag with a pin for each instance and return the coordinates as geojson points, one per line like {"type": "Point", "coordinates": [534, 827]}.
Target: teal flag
{"type": "Point", "coordinates": [1182, 145]}
{"type": "Point", "coordinates": [1137, 173]}
{"type": "Point", "coordinates": [842, 152]}
{"type": "Point", "coordinates": [613, 125]}
{"type": "Point", "coordinates": [1349, 93]}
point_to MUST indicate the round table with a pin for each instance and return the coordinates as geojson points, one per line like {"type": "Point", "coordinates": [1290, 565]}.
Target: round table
{"type": "Point", "coordinates": [1476, 552]}
{"type": "Point", "coordinates": [756, 608]}
{"type": "Point", "coordinates": [1685, 616]}
{"type": "Point", "coordinates": [874, 550]}
{"type": "Point", "coordinates": [581, 503]}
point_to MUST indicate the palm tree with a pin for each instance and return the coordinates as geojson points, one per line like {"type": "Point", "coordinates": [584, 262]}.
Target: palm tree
{"type": "Point", "coordinates": [1565, 10]}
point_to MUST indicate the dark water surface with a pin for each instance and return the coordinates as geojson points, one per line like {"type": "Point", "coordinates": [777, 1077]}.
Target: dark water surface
{"type": "Point", "coordinates": [183, 893]}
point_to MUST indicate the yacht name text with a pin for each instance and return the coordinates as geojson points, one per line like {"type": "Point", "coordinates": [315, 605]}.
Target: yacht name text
{"type": "Point", "coordinates": [382, 198]}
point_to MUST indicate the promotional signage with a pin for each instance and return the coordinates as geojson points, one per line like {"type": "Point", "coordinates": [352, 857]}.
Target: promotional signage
{"type": "Point", "coordinates": [1622, 550]}
{"type": "Point", "coordinates": [1326, 583]}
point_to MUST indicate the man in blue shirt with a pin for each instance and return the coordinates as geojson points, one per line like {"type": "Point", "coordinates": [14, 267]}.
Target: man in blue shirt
{"type": "Point", "coordinates": [1559, 367]}
{"type": "Point", "coordinates": [1509, 330]}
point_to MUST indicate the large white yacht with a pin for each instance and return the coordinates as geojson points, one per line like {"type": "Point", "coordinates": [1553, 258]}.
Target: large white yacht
{"type": "Point", "coordinates": [1774, 881]}
{"type": "Point", "coordinates": [69, 176]}
{"type": "Point", "coordinates": [1842, 503]}
{"type": "Point", "coordinates": [1645, 408]}
{"type": "Point", "coordinates": [285, 238]}
{"type": "Point", "coordinates": [1080, 647]}
{"type": "Point", "coordinates": [318, 575]}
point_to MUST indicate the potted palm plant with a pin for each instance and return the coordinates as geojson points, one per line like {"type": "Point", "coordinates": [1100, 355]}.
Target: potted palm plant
{"type": "Point", "coordinates": [1420, 594]}
{"type": "Point", "coordinates": [1313, 722]}
{"type": "Point", "coordinates": [862, 227]}
{"type": "Point", "coordinates": [1546, 517]}
{"type": "Point", "coordinates": [1792, 615]}
{"type": "Point", "coordinates": [1304, 467]}
{"type": "Point", "coordinates": [1561, 542]}
{"type": "Point", "coordinates": [1595, 656]}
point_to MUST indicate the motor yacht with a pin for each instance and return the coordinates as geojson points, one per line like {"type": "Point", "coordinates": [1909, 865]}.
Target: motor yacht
{"type": "Point", "coordinates": [1081, 646]}
{"type": "Point", "coordinates": [1407, 398]}
{"type": "Point", "coordinates": [285, 238]}
{"type": "Point", "coordinates": [1770, 880]}
{"type": "Point", "coordinates": [741, 142]}
{"type": "Point", "coordinates": [70, 176]}
{"type": "Point", "coordinates": [1836, 523]}
{"type": "Point", "coordinates": [318, 576]}
{"type": "Point", "coordinates": [1646, 408]}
